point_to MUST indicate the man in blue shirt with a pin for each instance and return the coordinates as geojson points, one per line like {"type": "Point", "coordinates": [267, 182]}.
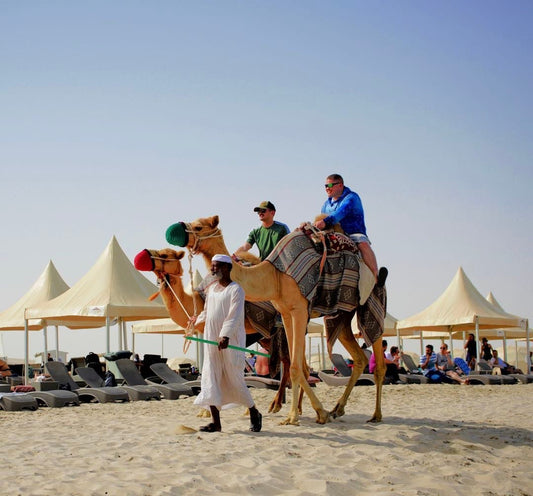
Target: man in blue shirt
{"type": "Point", "coordinates": [344, 207]}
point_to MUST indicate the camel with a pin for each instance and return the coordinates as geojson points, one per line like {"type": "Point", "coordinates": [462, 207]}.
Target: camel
{"type": "Point", "coordinates": [166, 265]}
{"type": "Point", "coordinates": [264, 282]}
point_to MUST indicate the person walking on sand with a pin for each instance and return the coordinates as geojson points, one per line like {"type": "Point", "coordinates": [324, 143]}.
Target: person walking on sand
{"type": "Point", "coordinates": [344, 207]}
{"type": "Point", "coordinates": [223, 385]}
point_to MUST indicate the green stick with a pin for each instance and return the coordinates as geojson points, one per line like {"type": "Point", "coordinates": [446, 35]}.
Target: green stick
{"type": "Point", "coordinates": [193, 338]}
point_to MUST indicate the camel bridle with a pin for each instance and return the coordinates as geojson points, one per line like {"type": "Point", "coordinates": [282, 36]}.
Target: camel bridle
{"type": "Point", "coordinates": [214, 233]}
{"type": "Point", "coordinates": [165, 279]}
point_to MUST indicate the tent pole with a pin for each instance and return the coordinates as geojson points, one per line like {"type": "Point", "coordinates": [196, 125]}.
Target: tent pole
{"type": "Point", "coordinates": [133, 342]}
{"type": "Point", "coordinates": [57, 343]}
{"type": "Point", "coordinates": [107, 343]}
{"type": "Point", "coordinates": [477, 337]}
{"type": "Point", "coordinates": [45, 344]}
{"type": "Point", "coordinates": [451, 343]}
{"type": "Point", "coordinates": [505, 348]}
{"type": "Point", "coordinates": [120, 342]}
{"type": "Point", "coordinates": [26, 352]}
{"type": "Point", "coordinates": [528, 359]}
{"type": "Point", "coordinates": [124, 330]}
{"type": "Point", "coordinates": [162, 345]}
{"type": "Point", "coordinates": [323, 349]}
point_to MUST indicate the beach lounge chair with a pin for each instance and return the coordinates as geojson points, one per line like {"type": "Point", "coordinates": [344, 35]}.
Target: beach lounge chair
{"type": "Point", "coordinates": [481, 378]}
{"type": "Point", "coordinates": [345, 372]}
{"type": "Point", "coordinates": [16, 402]}
{"type": "Point", "coordinates": [133, 377]}
{"type": "Point", "coordinates": [486, 369]}
{"type": "Point", "coordinates": [135, 393]}
{"type": "Point", "coordinates": [55, 398]}
{"type": "Point", "coordinates": [59, 373]}
{"type": "Point", "coordinates": [169, 376]}
{"type": "Point", "coordinates": [414, 375]}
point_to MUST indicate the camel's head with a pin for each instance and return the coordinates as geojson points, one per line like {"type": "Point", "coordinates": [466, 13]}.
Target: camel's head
{"type": "Point", "coordinates": [166, 261]}
{"type": "Point", "coordinates": [183, 234]}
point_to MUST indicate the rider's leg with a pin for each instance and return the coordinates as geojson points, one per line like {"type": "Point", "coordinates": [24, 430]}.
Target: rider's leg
{"type": "Point", "coordinates": [369, 257]}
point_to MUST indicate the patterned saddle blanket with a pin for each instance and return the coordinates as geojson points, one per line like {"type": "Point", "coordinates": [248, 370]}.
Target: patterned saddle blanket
{"type": "Point", "coordinates": [335, 287]}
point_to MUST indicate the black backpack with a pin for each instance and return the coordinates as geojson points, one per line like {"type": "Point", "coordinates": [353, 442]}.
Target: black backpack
{"type": "Point", "coordinates": [110, 380]}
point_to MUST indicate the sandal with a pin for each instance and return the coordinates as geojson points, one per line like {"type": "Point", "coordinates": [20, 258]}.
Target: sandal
{"type": "Point", "coordinates": [209, 428]}
{"type": "Point", "coordinates": [256, 426]}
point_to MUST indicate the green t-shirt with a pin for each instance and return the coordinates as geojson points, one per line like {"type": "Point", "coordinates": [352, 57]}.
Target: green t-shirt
{"type": "Point", "coordinates": [267, 237]}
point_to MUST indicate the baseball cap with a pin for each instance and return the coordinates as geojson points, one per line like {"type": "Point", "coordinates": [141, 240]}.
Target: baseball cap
{"type": "Point", "coordinates": [265, 204]}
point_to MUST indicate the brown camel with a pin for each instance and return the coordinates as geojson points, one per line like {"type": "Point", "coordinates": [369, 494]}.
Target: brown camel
{"type": "Point", "coordinates": [264, 282]}
{"type": "Point", "coordinates": [166, 265]}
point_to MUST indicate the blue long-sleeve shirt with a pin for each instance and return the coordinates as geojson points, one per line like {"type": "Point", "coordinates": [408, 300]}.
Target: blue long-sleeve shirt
{"type": "Point", "coordinates": [347, 210]}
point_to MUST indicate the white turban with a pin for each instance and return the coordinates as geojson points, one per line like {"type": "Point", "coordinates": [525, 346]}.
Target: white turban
{"type": "Point", "coordinates": [222, 258]}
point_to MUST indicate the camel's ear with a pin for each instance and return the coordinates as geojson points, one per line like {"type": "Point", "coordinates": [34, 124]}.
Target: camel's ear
{"type": "Point", "coordinates": [320, 217]}
{"type": "Point", "coordinates": [179, 254]}
{"type": "Point", "coordinates": [214, 221]}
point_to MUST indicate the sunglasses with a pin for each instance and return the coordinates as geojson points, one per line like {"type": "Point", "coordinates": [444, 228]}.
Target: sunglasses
{"type": "Point", "coordinates": [261, 210]}
{"type": "Point", "coordinates": [330, 185]}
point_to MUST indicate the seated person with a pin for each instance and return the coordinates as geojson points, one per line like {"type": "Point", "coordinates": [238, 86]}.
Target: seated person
{"type": "Point", "coordinates": [506, 369]}
{"type": "Point", "coordinates": [5, 371]}
{"type": "Point", "coordinates": [446, 365]}
{"type": "Point", "coordinates": [392, 366]}
{"type": "Point", "coordinates": [428, 365]}
{"type": "Point", "coordinates": [261, 365]}
{"type": "Point", "coordinates": [396, 356]}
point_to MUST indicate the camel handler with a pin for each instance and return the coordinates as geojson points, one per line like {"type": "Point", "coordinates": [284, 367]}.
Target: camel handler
{"type": "Point", "coordinates": [268, 234]}
{"type": "Point", "coordinates": [223, 384]}
{"type": "Point", "coordinates": [343, 206]}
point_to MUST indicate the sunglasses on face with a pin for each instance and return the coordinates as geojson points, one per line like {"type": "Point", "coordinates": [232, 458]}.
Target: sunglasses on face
{"type": "Point", "coordinates": [261, 211]}
{"type": "Point", "coordinates": [330, 185]}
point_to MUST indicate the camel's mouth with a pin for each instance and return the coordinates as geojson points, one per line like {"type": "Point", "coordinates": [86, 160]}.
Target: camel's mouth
{"type": "Point", "coordinates": [144, 261]}
{"type": "Point", "coordinates": [177, 234]}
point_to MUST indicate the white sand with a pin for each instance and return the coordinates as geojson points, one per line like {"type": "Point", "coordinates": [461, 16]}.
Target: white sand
{"type": "Point", "coordinates": [435, 439]}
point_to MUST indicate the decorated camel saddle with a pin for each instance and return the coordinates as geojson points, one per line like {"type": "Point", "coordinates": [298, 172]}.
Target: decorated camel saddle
{"type": "Point", "coordinates": [327, 267]}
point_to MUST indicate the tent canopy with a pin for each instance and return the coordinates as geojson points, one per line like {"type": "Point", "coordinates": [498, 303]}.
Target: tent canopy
{"type": "Point", "coordinates": [112, 288]}
{"type": "Point", "coordinates": [49, 285]}
{"type": "Point", "coordinates": [459, 308]}
{"type": "Point", "coordinates": [157, 326]}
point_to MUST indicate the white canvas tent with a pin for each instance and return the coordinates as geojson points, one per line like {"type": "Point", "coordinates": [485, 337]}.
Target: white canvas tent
{"type": "Point", "coordinates": [48, 285]}
{"type": "Point", "coordinates": [511, 333]}
{"type": "Point", "coordinates": [460, 308]}
{"type": "Point", "coordinates": [112, 290]}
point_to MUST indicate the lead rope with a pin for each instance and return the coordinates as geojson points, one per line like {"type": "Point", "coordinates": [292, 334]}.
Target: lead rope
{"type": "Point", "coordinates": [189, 331]}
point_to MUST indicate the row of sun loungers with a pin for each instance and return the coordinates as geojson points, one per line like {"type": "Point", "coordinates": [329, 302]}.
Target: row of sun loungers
{"type": "Point", "coordinates": [135, 388]}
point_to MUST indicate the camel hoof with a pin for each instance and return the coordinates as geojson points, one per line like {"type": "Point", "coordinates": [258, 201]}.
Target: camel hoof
{"type": "Point", "coordinates": [374, 420]}
{"type": "Point", "coordinates": [274, 408]}
{"type": "Point", "coordinates": [322, 417]}
{"type": "Point", "coordinates": [338, 411]}
{"type": "Point", "coordinates": [290, 421]}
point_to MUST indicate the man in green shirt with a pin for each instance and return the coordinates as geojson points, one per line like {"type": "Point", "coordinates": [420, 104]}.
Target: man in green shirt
{"type": "Point", "coordinates": [266, 236]}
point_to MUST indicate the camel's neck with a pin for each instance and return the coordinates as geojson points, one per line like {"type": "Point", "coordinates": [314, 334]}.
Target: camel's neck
{"type": "Point", "coordinates": [259, 282]}
{"type": "Point", "coordinates": [211, 247]}
{"type": "Point", "coordinates": [176, 292]}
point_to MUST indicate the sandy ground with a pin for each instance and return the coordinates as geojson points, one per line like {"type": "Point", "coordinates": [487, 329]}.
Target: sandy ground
{"type": "Point", "coordinates": [434, 440]}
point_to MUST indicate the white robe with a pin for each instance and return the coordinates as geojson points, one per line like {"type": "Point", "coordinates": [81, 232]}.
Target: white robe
{"type": "Point", "coordinates": [222, 378]}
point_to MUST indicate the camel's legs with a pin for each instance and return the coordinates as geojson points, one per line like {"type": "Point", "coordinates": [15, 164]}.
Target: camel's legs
{"type": "Point", "coordinates": [379, 376]}
{"type": "Point", "coordinates": [343, 322]}
{"type": "Point", "coordinates": [295, 323]}
{"type": "Point", "coordinates": [359, 363]}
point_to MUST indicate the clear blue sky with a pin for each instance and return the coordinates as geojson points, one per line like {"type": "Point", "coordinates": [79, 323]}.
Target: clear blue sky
{"type": "Point", "coordinates": [120, 118]}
